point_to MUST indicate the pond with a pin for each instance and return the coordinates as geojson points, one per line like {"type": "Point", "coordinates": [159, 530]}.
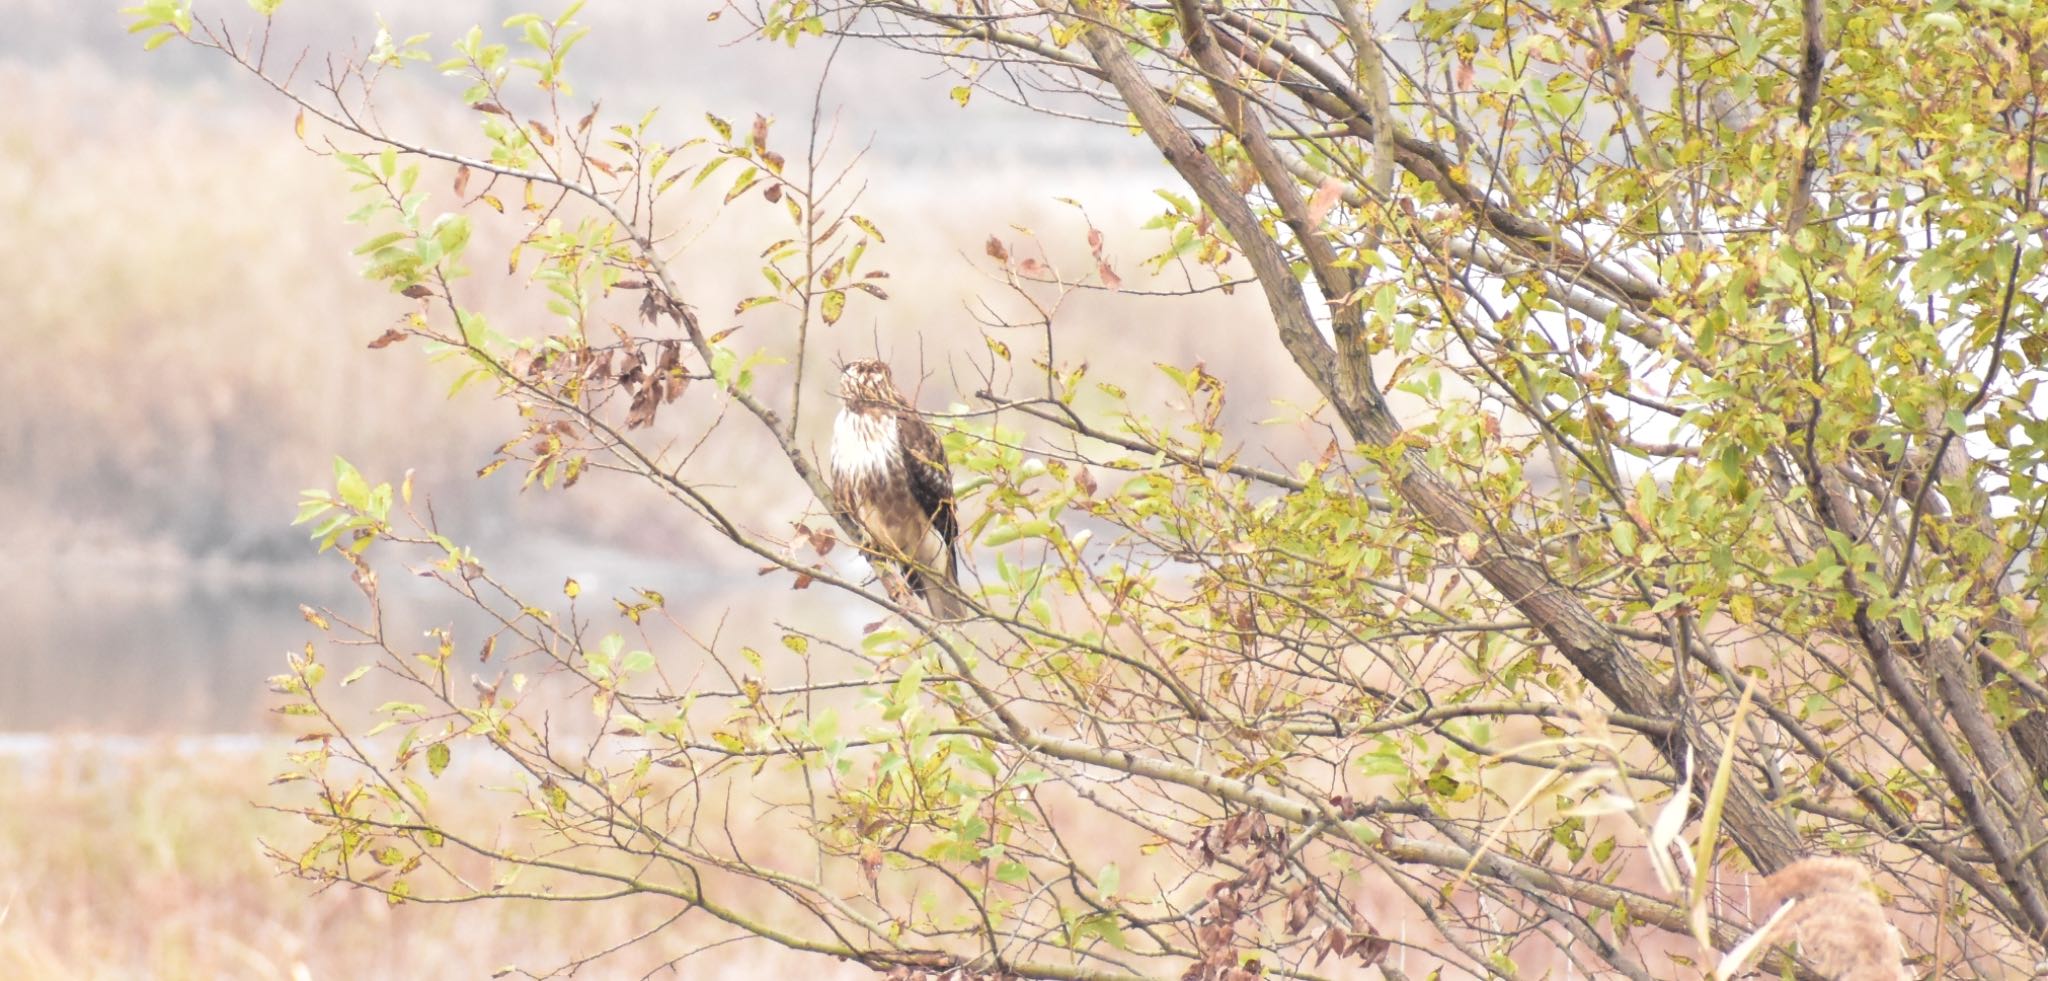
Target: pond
{"type": "Point", "coordinates": [173, 650]}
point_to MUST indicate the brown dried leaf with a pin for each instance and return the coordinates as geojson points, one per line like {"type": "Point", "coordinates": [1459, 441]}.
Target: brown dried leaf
{"type": "Point", "coordinates": [541, 131]}
{"type": "Point", "coordinates": [418, 291]}
{"type": "Point", "coordinates": [1095, 242]}
{"type": "Point", "coordinates": [1110, 279]}
{"type": "Point", "coordinates": [462, 181]}
{"type": "Point", "coordinates": [490, 646]}
{"type": "Point", "coordinates": [1329, 456]}
{"type": "Point", "coordinates": [388, 338]}
{"type": "Point", "coordinates": [760, 132]}
{"type": "Point", "coordinates": [365, 577]}
{"type": "Point", "coordinates": [490, 107]}
{"type": "Point", "coordinates": [871, 863]}
{"type": "Point", "coordinates": [646, 402]}
{"type": "Point", "coordinates": [1301, 904]}
{"type": "Point", "coordinates": [996, 250]}
{"type": "Point", "coordinates": [583, 125]}
{"type": "Point", "coordinates": [1332, 943]}
{"type": "Point", "coordinates": [1031, 267]}
{"type": "Point", "coordinates": [773, 193]}
{"type": "Point", "coordinates": [1328, 193]}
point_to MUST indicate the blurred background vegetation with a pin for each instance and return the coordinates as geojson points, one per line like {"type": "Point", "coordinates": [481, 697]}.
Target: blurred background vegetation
{"type": "Point", "coordinates": [186, 335]}
{"type": "Point", "coordinates": [185, 348]}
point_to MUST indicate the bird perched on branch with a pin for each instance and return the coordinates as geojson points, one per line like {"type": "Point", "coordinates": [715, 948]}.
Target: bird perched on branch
{"type": "Point", "coordinates": [890, 477]}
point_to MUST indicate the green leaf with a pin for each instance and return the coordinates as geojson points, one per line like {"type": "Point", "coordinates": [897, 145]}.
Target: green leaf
{"type": "Point", "coordinates": [1384, 763]}
{"type": "Point", "coordinates": [1006, 533]}
{"type": "Point", "coordinates": [903, 697]}
{"type": "Point", "coordinates": [636, 662]}
{"type": "Point", "coordinates": [350, 486]}
{"type": "Point", "coordinates": [1623, 532]}
{"type": "Point", "coordinates": [723, 361]}
{"type": "Point", "coordinates": [388, 238]}
{"type": "Point", "coordinates": [1099, 926]}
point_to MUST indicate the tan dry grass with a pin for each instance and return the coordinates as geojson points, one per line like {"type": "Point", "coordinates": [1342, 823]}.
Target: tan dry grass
{"type": "Point", "coordinates": [142, 861]}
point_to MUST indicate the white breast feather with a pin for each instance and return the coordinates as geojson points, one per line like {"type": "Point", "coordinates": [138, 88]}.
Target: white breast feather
{"type": "Point", "coordinates": [864, 447]}
{"type": "Point", "coordinates": [863, 444]}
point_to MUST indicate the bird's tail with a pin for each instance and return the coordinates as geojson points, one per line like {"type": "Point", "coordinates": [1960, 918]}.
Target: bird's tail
{"type": "Point", "coordinates": [941, 593]}
{"type": "Point", "coordinates": [945, 605]}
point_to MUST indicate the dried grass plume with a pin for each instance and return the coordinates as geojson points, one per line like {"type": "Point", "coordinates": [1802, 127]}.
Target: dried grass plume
{"type": "Point", "coordinates": [1836, 921]}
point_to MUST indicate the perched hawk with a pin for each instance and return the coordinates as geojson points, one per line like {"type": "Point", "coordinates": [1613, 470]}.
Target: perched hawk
{"type": "Point", "coordinates": [889, 475]}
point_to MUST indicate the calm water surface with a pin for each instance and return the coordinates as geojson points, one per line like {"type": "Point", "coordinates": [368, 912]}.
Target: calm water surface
{"type": "Point", "coordinates": [188, 653]}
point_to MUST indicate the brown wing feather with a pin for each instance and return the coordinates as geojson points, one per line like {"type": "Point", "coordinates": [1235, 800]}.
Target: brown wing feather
{"type": "Point", "coordinates": [931, 482]}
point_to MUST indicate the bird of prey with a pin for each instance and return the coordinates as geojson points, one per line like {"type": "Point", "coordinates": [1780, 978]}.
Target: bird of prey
{"type": "Point", "coordinates": [889, 476]}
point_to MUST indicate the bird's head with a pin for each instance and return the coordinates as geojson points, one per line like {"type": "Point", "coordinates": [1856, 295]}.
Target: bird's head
{"type": "Point", "coordinates": [867, 380]}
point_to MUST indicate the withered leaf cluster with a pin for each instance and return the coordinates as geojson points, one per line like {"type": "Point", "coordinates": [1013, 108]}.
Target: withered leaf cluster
{"type": "Point", "coordinates": [1235, 901]}
{"type": "Point", "coordinates": [648, 372]}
